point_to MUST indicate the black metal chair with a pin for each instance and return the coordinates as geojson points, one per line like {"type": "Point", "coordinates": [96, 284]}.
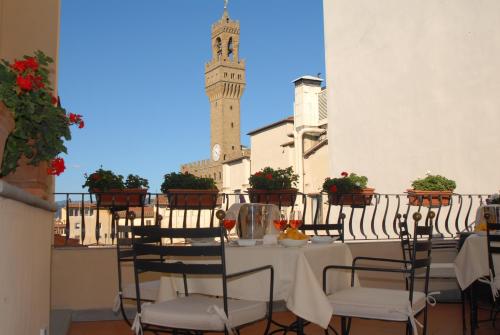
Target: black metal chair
{"type": "Point", "coordinates": [387, 304]}
{"type": "Point", "coordinates": [124, 255]}
{"type": "Point", "coordinates": [329, 229]}
{"type": "Point", "coordinates": [437, 270]}
{"type": "Point", "coordinates": [492, 225]}
{"type": "Point", "coordinates": [193, 312]}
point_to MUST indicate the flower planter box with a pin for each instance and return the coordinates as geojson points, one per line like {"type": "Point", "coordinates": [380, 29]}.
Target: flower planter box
{"type": "Point", "coordinates": [33, 179]}
{"type": "Point", "coordinates": [359, 198]}
{"type": "Point", "coordinates": [429, 198]}
{"type": "Point", "coordinates": [119, 198]}
{"type": "Point", "coordinates": [276, 197]}
{"type": "Point", "coordinates": [192, 199]}
{"type": "Point", "coordinates": [7, 125]}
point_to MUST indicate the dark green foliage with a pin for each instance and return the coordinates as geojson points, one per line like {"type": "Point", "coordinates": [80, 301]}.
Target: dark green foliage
{"type": "Point", "coordinates": [271, 179]}
{"type": "Point", "coordinates": [345, 184]}
{"type": "Point", "coordinates": [186, 181]}
{"type": "Point", "coordinates": [434, 183]}
{"type": "Point", "coordinates": [134, 181]}
{"type": "Point", "coordinates": [104, 180]}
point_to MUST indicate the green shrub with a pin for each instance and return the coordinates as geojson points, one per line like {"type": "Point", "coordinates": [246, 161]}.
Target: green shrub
{"type": "Point", "coordinates": [434, 183]}
{"type": "Point", "coordinates": [186, 181]}
{"type": "Point", "coordinates": [347, 183]}
{"type": "Point", "coordinates": [273, 179]}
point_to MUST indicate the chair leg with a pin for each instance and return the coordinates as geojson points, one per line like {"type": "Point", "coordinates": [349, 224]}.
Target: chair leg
{"type": "Point", "coordinates": [425, 320]}
{"type": "Point", "coordinates": [462, 300]}
{"type": "Point", "coordinates": [348, 326]}
{"type": "Point", "coordinates": [408, 327]}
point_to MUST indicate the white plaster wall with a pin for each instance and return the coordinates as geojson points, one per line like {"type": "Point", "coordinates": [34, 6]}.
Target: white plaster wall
{"type": "Point", "coordinates": [316, 169]}
{"type": "Point", "coordinates": [267, 150]}
{"type": "Point", "coordinates": [413, 85]}
{"type": "Point", "coordinates": [236, 175]}
{"type": "Point", "coordinates": [25, 247]}
{"type": "Point", "coordinates": [306, 105]}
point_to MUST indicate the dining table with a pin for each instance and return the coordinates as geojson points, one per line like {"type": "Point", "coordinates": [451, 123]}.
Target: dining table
{"type": "Point", "coordinates": [298, 273]}
{"type": "Point", "coordinates": [472, 262]}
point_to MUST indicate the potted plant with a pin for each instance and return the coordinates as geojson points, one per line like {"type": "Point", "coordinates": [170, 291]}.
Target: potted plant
{"type": "Point", "coordinates": [187, 191]}
{"type": "Point", "coordinates": [273, 186]}
{"type": "Point", "coordinates": [350, 189]}
{"type": "Point", "coordinates": [40, 124]}
{"type": "Point", "coordinates": [431, 191]}
{"type": "Point", "coordinates": [112, 191]}
{"type": "Point", "coordinates": [493, 199]}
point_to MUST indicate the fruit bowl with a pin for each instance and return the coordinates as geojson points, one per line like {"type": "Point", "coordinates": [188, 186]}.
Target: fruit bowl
{"type": "Point", "coordinates": [290, 243]}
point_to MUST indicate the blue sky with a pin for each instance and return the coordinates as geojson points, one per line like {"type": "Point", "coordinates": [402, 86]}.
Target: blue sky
{"type": "Point", "coordinates": [135, 71]}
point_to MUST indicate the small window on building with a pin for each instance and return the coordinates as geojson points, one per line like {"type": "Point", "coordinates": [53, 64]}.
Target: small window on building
{"type": "Point", "coordinates": [232, 147]}
{"type": "Point", "coordinates": [225, 74]}
{"type": "Point", "coordinates": [232, 125]}
{"type": "Point", "coordinates": [231, 107]}
{"type": "Point", "coordinates": [224, 157]}
{"type": "Point", "coordinates": [220, 175]}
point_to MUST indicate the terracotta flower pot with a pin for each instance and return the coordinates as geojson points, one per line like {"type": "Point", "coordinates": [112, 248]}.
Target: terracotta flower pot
{"type": "Point", "coordinates": [429, 198]}
{"type": "Point", "coordinates": [32, 179]}
{"type": "Point", "coordinates": [360, 198]}
{"type": "Point", "coordinates": [117, 198]}
{"type": "Point", "coordinates": [192, 199]}
{"type": "Point", "coordinates": [276, 197]}
{"type": "Point", "coordinates": [7, 124]}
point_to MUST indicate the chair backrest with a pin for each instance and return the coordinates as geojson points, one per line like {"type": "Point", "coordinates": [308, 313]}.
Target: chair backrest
{"type": "Point", "coordinates": [145, 243]}
{"type": "Point", "coordinates": [420, 250]}
{"type": "Point", "coordinates": [492, 228]}
{"type": "Point", "coordinates": [330, 229]}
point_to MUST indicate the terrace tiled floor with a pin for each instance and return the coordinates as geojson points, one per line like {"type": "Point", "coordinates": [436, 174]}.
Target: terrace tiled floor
{"type": "Point", "coordinates": [444, 320]}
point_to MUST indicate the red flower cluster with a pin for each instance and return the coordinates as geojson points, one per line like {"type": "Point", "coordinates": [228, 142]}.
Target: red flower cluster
{"type": "Point", "coordinates": [258, 173]}
{"type": "Point", "coordinates": [76, 119]}
{"type": "Point", "coordinates": [269, 176]}
{"type": "Point", "coordinates": [333, 188]}
{"type": "Point", "coordinates": [56, 166]}
{"type": "Point", "coordinates": [27, 79]}
{"type": "Point", "coordinates": [344, 174]}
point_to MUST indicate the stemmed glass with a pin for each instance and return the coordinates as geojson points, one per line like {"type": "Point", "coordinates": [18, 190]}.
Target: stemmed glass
{"type": "Point", "coordinates": [295, 220]}
{"type": "Point", "coordinates": [229, 222]}
{"type": "Point", "coordinates": [280, 222]}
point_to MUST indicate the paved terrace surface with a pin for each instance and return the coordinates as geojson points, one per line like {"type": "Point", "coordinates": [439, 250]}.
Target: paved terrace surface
{"type": "Point", "coordinates": [444, 319]}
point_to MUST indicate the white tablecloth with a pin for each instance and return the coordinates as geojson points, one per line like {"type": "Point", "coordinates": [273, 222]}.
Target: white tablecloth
{"type": "Point", "coordinates": [471, 262]}
{"type": "Point", "coordinates": [297, 277]}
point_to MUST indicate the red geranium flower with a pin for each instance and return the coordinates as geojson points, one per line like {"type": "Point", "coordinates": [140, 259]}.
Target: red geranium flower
{"type": "Point", "coordinates": [269, 176]}
{"type": "Point", "coordinates": [19, 66]}
{"type": "Point", "coordinates": [95, 176]}
{"type": "Point", "coordinates": [258, 173]}
{"type": "Point", "coordinates": [56, 166]}
{"type": "Point", "coordinates": [54, 100]}
{"type": "Point", "coordinates": [24, 83]}
{"type": "Point", "coordinates": [38, 80]}
{"type": "Point", "coordinates": [81, 124]}
{"type": "Point", "coordinates": [344, 174]}
{"type": "Point", "coordinates": [31, 63]}
{"type": "Point", "coordinates": [333, 188]}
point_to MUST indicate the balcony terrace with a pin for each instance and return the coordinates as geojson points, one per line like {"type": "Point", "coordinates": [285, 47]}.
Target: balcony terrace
{"type": "Point", "coordinates": [84, 277]}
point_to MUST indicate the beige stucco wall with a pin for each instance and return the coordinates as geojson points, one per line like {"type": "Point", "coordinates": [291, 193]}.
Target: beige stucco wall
{"type": "Point", "coordinates": [316, 169]}
{"type": "Point", "coordinates": [267, 150]}
{"type": "Point", "coordinates": [25, 246]}
{"type": "Point", "coordinates": [413, 86]}
{"type": "Point", "coordinates": [87, 278]}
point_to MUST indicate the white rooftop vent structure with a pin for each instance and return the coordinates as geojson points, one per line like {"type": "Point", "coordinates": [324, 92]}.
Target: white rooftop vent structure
{"type": "Point", "coordinates": [306, 109]}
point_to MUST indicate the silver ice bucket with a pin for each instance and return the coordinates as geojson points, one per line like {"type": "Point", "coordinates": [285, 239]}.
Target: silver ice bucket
{"type": "Point", "coordinates": [255, 220]}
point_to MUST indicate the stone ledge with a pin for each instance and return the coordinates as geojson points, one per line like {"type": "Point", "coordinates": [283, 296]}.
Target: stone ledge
{"type": "Point", "coordinates": [15, 193]}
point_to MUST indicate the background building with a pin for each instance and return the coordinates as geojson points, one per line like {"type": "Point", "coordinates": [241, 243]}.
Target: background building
{"type": "Point", "coordinates": [224, 85]}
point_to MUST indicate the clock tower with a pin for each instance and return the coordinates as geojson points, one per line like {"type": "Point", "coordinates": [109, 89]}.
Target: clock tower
{"type": "Point", "coordinates": [224, 85]}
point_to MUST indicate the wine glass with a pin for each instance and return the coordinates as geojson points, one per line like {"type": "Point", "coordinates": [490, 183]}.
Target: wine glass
{"type": "Point", "coordinates": [229, 222]}
{"type": "Point", "coordinates": [295, 219]}
{"type": "Point", "coordinates": [280, 222]}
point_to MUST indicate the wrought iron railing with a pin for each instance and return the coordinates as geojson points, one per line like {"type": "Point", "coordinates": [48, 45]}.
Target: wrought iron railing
{"type": "Point", "coordinates": [82, 220]}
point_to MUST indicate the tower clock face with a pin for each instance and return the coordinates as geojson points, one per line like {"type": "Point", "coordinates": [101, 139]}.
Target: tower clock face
{"type": "Point", "coordinates": [216, 152]}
